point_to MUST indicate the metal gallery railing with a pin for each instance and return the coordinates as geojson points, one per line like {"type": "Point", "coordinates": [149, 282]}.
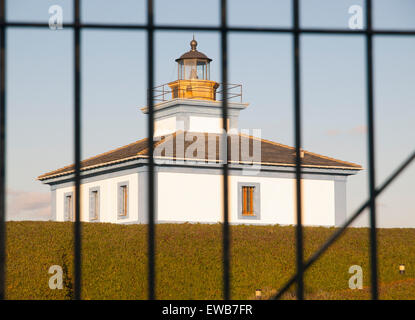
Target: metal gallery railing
{"type": "Point", "coordinates": [164, 92]}
{"type": "Point", "coordinates": [223, 29]}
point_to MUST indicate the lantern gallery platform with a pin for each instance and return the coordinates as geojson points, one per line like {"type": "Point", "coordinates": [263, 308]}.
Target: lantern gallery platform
{"type": "Point", "coordinates": [188, 151]}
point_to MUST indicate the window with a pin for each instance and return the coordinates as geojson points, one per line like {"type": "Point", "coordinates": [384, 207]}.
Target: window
{"type": "Point", "coordinates": [123, 200]}
{"type": "Point", "coordinates": [249, 200]}
{"type": "Point", "coordinates": [68, 206]}
{"type": "Point", "coordinates": [94, 204]}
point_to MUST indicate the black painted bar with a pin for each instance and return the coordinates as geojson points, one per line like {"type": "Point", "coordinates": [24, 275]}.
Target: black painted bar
{"type": "Point", "coordinates": [77, 151]}
{"type": "Point", "coordinates": [297, 135]}
{"type": "Point", "coordinates": [101, 26]}
{"type": "Point", "coordinates": [371, 151]}
{"type": "Point", "coordinates": [226, 230]}
{"type": "Point", "coordinates": [2, 151]}
{"type": "Point", "coordinates": [150, 133]}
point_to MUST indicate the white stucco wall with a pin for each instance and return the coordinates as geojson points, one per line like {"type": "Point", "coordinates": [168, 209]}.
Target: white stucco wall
{"type": "Point", "coordinates": [199, 199]}
{"type": "Point", "coordinates": [165, 126]}
{"type": "Point", "coordinates": [205, 124]}
{"type": "Point", "coordinates": [318, 202]}
{"type": "Point", "coordinates": [108, 199]}
{"type": "Point", "coordinates": [189, 197]}
{"type": "Point", "coordinates": [195, 123]}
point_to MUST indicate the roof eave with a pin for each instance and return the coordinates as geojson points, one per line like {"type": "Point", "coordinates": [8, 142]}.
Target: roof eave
{"type": "Point", "coordinates": [143, 158]}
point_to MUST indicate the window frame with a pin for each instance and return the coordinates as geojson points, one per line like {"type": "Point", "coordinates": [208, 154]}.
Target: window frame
{"type": "Point", "coordinates": [248, 200]}
{"type": "Point", "coordinates": [123, 204]}
{"type": "Point", "coordinates": [70, 216]}
{"type": "Point", "coordinates": [97, 207]}
{"type": "Point", "coordinates": [256, 200]}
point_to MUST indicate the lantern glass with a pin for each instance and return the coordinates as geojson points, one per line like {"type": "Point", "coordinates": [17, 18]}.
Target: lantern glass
{"type": "Point", "coordinates": [193, 69]}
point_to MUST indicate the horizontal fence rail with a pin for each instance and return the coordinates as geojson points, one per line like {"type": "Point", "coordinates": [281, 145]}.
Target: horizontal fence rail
{"type": "Point", "coordinates": [226, 92]}
{"type": "Point", "coordinates": [230, 29]}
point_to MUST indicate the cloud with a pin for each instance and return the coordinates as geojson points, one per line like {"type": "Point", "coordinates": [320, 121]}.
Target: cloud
{"type": "Point", "coordinates": [333, 132]}
{"type": "Point", "coordinates": [357, 130]}
{"type": "Point", "coordinates": [23, 205]}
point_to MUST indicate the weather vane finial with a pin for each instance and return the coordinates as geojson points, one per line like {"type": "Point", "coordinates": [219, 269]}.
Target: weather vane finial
{"type": "Point", "coordinates": [193, 43]}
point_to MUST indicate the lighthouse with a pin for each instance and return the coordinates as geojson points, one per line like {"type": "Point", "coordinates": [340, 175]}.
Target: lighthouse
{"type": "Point", "coordinates": [188, 166]}
{"type": "Point", "coordinates": [193, 102]}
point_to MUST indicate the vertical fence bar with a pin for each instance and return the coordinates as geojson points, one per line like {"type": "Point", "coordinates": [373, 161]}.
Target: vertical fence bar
{"type": "Point", "coordinates": [225, 173]}
{"type": "Point", "coordinates": [3, 150]}
{"type": "Point", "coordinates": [150, 133]}
{"type": "Point", "coordinates": [77, 128]}
{"type": "Point", "coordinates": [297, 130]}
{"type": "Point", "coordinates": [371, 149]}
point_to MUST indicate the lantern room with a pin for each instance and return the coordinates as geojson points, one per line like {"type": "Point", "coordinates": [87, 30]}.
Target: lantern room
{"type": "Point", "coordinates": [193, 76]}
{"type": "Point", "coordinates": [193, 64]}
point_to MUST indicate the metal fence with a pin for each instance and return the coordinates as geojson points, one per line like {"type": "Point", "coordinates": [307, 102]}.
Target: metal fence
{"type": "Point", "coordinates": [296, 31]}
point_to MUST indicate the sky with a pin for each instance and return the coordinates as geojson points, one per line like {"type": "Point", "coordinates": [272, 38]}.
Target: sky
{"type": "Point", "coordinates": [40, 88]}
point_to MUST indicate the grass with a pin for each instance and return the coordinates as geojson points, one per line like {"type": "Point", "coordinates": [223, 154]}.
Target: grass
{"type": "Point", "coordinates": [189, 261]}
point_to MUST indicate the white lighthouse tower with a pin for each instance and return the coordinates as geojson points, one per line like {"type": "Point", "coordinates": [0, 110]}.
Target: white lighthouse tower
{"type": "Point", "coordinates": [192, 102]}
